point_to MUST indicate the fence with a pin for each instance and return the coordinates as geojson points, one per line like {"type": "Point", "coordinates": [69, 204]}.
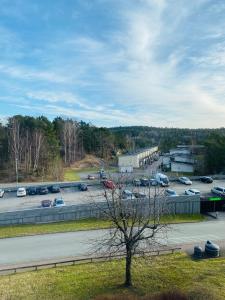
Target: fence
{"type": "Point", "coordinates": [68, 262]}
{"type": "Point", "coordinates": [174, 205]}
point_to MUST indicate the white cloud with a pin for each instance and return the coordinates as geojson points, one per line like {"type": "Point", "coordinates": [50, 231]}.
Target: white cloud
{"type": "Point", "coordinates": [25, 73]}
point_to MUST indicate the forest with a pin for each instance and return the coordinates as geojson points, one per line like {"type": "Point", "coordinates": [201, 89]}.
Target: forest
{"type": "Point", "coordinates": [40, 147]}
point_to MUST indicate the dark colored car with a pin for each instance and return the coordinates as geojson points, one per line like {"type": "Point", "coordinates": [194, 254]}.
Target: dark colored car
{"type": "Point", "coordinates": [139, 195]}
{"type": "Point", "coordinates": [54, 189]}
{"type": "Point", "coordinates": [42, 190]}
{"type": "Point", "coordinates": [32, 190]}
{"type": "Point", "coordinates": [83, 187]}
{"type": "Point", "coordinates": [104, 176]}
{"type": "Point", "coordinates": [46, 203]}
{"type": "Point", "coordinates": [144, 181]}
{"type": "Point", "coordinates": [206, 179]}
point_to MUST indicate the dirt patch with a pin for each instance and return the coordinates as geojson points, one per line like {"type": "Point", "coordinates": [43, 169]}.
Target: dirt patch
{"type": "Point", "coordinates": [89, 161]}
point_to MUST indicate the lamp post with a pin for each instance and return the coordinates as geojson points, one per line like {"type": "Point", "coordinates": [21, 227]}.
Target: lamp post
{"type": "Point", "coordinates": [17, 177]}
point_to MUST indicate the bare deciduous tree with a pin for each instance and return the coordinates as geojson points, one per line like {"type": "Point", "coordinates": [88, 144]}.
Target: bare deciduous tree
{"type": "Point", "coordinates": [136, 220]}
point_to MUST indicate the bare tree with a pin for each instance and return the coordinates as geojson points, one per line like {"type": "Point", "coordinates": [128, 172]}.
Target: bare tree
{"type": "Point", "coordinates": [136, 220]}
{"type": "Point", "coordinates": [15, 145]}
{"type": "Point", "coordinates": [70, 134]}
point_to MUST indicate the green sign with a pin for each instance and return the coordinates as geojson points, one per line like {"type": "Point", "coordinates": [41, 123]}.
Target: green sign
{"type": "Point", "coordinates": [215, 198]}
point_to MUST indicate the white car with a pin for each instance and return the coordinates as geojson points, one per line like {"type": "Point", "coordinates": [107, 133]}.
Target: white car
{"type": "Point", "coordinates": [21, 192]}
{"type": "Point", "coordinates": [170, 193]}
{"type": "Point", "coordinates": [126, 194]}
{"type": "Point", "coordinates": [58, 202]}
{"type": "Point", "coordinates": [218, 190]}
{"type": "Point", "coordinates": [2, 192]}
{"type": "Point", "coordinates": [192, 192]}
{"type": "Point", "coordinates": [185, 180]}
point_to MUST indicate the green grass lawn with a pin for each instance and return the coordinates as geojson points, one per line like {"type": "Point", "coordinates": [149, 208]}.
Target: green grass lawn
{"type": "Point", "coordinates": [71, 175]}
{"type": "Point", "coordinates": [87, 224]}
{"type": "Point", "coordinates": [150, 276]}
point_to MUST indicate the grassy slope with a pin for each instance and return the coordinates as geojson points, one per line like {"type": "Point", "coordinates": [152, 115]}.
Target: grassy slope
{"type": "Point", "coordinates": [149, 275]}
{"type": "Point", "coordinates": [71, 175]}
{"type": "Point", "coordinates": [22, 230]}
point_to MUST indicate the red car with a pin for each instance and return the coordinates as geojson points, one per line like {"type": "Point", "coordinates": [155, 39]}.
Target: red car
{"type": "Point", "coordinates": [109, 184]}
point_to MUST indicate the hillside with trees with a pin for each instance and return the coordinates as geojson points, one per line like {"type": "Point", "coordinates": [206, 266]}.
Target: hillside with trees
{"type": "Point", "coordinates": [39, 147]}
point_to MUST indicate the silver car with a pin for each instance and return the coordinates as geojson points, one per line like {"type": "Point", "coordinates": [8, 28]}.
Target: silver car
{"type": "Point", "coordinates": [2, 192]}
{"type": "Point", "coordinates": [218, 190]}
{"type": "Point", "coordinates": [185, 180]}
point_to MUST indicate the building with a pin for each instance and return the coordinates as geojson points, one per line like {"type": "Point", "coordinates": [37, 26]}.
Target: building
{"type": "Point", "coordinates": [128, 162]}
{"type": "Point", "coordinates": [182, 159]}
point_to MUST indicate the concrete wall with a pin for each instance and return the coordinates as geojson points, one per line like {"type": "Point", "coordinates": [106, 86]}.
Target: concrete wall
{"type": "Point", "coordinates": [127, 169]}
{"type": "Point", "coordinates": [175, 205]}
{"type": "Point", "coordinates": [182, 167]}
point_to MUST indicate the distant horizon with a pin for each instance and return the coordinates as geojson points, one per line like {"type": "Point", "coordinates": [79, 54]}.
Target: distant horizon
{"type": "Point", "coordinates": [110, 63]}
{"type": "Point", "coordinates": [4, 122]}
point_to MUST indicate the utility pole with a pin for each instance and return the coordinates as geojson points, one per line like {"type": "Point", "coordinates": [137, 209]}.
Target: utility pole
{"type": "Point", "coordinates": [17, 177]}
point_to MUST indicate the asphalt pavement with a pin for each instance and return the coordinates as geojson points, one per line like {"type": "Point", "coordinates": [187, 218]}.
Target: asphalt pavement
{"type": "Point", "coordinates": [73, 196]}
{"type": "Point", "coordinates": [75, 244]}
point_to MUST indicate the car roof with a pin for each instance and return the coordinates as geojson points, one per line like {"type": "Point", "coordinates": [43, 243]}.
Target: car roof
{"type": "Point", "coordinates": [170, 190]}
{"type": "Point", "coordinates": [194, 190]}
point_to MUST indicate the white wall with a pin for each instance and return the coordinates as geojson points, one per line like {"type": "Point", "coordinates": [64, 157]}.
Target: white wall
{"type": "Point", "coordinates": [128, 169]}
{"type": "Point", "coordinates": [181, 167]}
{"type": "Point", "coordinates": [134, 160]}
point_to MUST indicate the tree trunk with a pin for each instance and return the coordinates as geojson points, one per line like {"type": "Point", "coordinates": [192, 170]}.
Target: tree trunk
{"type": "Point", "coordinates": [128, 281]}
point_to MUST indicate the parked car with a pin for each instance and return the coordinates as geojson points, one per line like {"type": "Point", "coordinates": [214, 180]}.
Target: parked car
{"type": "Point", "coordinates": [136, 182]}
{"type": "Point", "coordinates": [218, 190]}
{"type": "Point", "coordinates": [58, 202]}
{"type": "Point", "coordinates": [91, 177]}
{"type": "Point", "coordinates": [185, 180]}
{"type": "Point", "coordinates": [144, 181]}
{"type": "Point", "coordinates": [206, 179]}
{"type": "Point", "coordinates": [103, 176]}
{"type": "Point", "coordinates": [139, 195]}
{"type": "Point", "coordinates": [21, 192]}
{"type": "Point", "coordinates": [109, 184]}
{"type": "Point", "coordinates": [170, 193]}
{"type": "Point", "coordinates": [32, 190]}
{"type": "Point", "coordinates": [83, 187]}
{"type": "Point", "coordinates": [2, 192]}
{"type": "Point", "coordinates": [46, 203]}
{"type": "Point", "coordinates": [153, 182]}
{"type": "Point", "coordinates": [192, 192]}
{"type": "Point", "coordinates": [42, 190]}
{"type": "Point", "coordinates": [126, 194]}
{"type": "Point", "coordinates": [54, 189]}
{"type": "Point", "coordinates": [162, 179]}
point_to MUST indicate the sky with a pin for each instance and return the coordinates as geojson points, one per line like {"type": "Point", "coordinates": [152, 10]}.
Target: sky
{"type": "Point", "coordinates": [114, 62]}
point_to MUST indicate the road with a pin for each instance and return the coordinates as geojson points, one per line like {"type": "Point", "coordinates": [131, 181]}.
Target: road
{"type": "Point", "coordinates": [74, 244]}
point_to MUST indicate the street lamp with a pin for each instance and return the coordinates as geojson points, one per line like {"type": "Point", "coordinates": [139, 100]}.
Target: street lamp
{"type": "Point", "coordinates": [17, 177]}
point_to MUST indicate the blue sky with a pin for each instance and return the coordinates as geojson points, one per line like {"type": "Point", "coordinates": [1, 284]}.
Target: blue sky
{"type": "Point", "coordinates": [114, 62]}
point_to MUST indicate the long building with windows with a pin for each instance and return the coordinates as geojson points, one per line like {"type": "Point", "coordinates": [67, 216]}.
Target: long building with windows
{"type": "Point", "coordinates": [128, 162]}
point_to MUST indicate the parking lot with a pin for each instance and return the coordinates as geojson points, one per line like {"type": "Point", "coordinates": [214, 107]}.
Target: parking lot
{"type": "Point", "coordinates": [72, 195]}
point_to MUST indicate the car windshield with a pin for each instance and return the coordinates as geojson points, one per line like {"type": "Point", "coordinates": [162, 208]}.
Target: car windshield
{"type": "Point", "coordinates": [171, 192]}
{"type": "Point", "coordinates": [59, 201]}
{"type": "Point", "coordinates": [165, 180]}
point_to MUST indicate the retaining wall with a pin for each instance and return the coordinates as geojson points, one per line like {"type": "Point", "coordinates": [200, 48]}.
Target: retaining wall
{"type": "Point", "coordinates": [174, 205]}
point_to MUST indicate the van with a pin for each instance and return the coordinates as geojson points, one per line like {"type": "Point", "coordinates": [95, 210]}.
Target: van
{"type": "Point", "coordinates": [162, 179]}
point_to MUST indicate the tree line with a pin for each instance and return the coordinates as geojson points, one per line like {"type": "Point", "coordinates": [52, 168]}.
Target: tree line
{"type": "Point", "coordinates": [40, 147]}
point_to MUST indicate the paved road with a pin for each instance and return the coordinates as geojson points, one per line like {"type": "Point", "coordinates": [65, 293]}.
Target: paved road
{"type": "Point", "coordinates": [64, 245]}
